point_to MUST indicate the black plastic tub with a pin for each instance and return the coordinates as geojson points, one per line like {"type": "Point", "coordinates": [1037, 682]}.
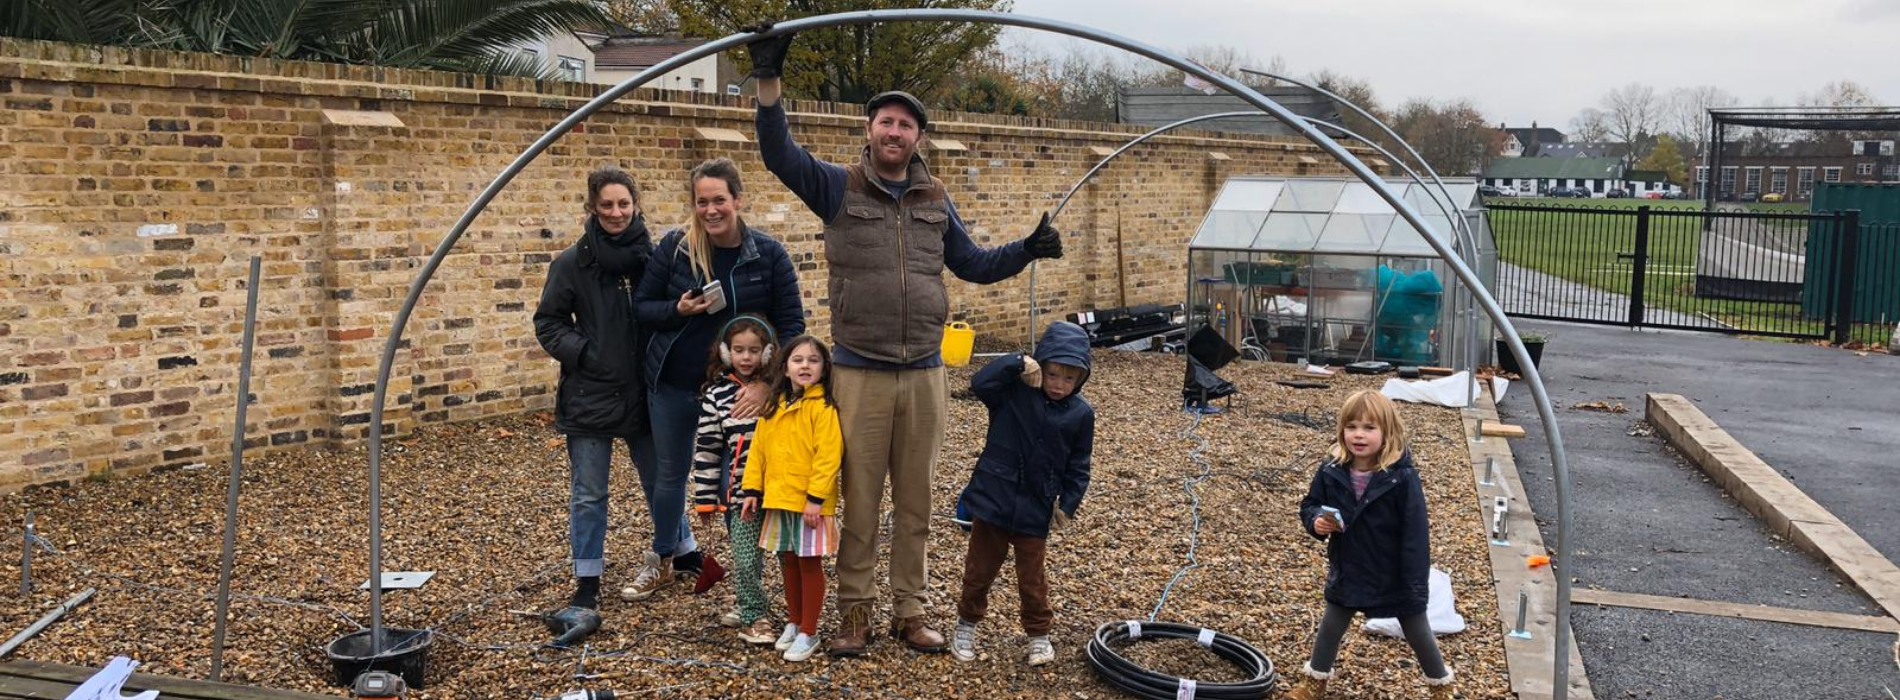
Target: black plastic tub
{"type": "Point", "coordinates": [405, 653]}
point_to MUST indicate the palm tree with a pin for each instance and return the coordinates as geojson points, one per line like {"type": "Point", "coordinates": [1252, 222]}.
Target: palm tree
{"type": "Point", "coordinates": [458, 35]}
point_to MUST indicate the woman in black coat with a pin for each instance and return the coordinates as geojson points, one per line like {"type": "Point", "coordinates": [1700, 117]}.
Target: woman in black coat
{"type": "Point", "coordinates": [755, 277]}
{"type": "Point", "coordinates": [586, 321]}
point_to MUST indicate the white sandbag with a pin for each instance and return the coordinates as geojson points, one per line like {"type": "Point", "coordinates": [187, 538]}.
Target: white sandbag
{"type": "Point", "coordinates": [1438, 609]}
{"type": "Point", "coordinates": [1455, 391]}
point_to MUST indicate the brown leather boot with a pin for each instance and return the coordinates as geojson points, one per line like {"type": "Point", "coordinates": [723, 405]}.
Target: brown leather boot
{"type": "Point", "coordinates": [1312, 685]}
{"type": "Point", "coordinates": [1441, 688]}
{"type": "Point", "coordinates": [918, 636]}
{"type": "Point", "coordinates": [854, 631]}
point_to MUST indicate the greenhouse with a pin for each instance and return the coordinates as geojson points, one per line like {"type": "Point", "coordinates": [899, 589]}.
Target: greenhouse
{"type": "Point", "coordinates": [1323, 269]}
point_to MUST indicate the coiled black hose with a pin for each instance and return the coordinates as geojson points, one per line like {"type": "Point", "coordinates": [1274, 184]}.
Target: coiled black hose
{"type": "Point", "coordinates": [1143, 683]}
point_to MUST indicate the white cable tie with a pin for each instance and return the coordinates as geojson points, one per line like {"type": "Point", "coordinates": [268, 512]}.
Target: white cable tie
{"type": "Point", "coordinates": [1134, 629]}
{"type": "Point", "coordinates": [1185, 691]}
{"type": "Point", "coordinates": [1206, 639]}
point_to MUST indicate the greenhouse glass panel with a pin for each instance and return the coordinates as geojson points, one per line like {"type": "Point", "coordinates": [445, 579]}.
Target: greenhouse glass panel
{"type": "Point", "coordinates": [1290, 232]}
{"type": "Point", "coordinates": [1309, 196]}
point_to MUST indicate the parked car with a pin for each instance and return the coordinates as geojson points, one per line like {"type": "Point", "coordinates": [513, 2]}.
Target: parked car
{"type": "Point", "coordinates": [1750, 196]}
{"type": "Point", "coordinates": [1774, 197]}
{"type": "Point", "coordinates": [1675, 195]}
{"type": "Point", "coordinates": [1655, 195]}
{"type": "Point", "coordinates": [1568, 193]}
{"type": "Point", "coordinates": [1616, 194]}
{"type": "Point", "coordinates": [1489, 191]}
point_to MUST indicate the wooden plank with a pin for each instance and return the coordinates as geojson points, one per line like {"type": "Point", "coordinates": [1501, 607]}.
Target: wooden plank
{"type": "Point", "coordinates": [1811, 618]}
{"type": "Point", "coordinates": [1781, 505]}
{"type": "Point", "coordinates": [1531, 661]}
{"type": "Point", "coordinates": [1503, 430]}
{"type": "Point", "coordinates": [23, 670]}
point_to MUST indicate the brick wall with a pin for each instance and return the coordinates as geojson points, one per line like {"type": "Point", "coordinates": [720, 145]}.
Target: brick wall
{"type": "Point", "coordinates": [135, 186]}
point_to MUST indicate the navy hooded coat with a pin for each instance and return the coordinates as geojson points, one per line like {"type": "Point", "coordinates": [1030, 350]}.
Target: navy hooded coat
{"type": "Point", "coordinates": [1036, 455]}
{"type": "Point", "coordinates": [1381, 564]}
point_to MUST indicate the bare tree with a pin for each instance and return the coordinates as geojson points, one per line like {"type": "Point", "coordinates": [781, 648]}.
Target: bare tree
{"type": "Point", "coordinates": [1590, 125]}
{"type": "Point", "coordinates": [1631, 114]}
{"type": "Point", "coordinates": [1843, 93]}
{"type": "Point", "coordinates": [1687, 112]}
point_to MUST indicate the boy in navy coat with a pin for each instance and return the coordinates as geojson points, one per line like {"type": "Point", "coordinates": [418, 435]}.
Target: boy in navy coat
{"type": "Point", "coordinates": [1028, 481]}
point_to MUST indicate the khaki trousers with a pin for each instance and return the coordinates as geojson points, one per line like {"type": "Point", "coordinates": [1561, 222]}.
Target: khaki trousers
{"type": "Point", "coordinates": [893, 426]}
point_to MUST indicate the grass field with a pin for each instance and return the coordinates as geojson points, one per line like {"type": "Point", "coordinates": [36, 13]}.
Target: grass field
{"type": "Point", "coordinates": [1594, 244]}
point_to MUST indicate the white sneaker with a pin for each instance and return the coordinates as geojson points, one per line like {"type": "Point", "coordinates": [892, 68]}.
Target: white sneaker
{"type": "Point", "coordinates": [802, 647]}
{"type": "Point", "coordinates": [785, 640]}
{"type": "Point", "coordinates": [731, 619]}
{"type": "Point", "coordinates": [963, 642]}
{"type": "Point", "coordinates": [1041, 652]}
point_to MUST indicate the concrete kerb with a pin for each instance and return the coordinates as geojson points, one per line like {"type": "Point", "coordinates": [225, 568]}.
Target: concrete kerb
{"type": "Point", "coordinates": [1530, 660]}
{"type": "Point", "coordinates": [1764, 492]}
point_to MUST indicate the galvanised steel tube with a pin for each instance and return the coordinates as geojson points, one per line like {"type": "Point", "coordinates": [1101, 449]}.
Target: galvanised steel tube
{"type": "Point", "coordinates": [1359, 169]}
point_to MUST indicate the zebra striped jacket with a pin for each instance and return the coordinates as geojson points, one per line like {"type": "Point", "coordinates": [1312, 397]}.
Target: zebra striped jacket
{"type": "Point", "coordinates": [719, 447]}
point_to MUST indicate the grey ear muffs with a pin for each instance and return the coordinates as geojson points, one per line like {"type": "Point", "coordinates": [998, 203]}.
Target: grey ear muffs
{"type": "Point", "coordinates": [771, 340]}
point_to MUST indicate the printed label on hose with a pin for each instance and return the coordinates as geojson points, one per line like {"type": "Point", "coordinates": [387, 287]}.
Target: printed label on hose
{"type": "Point", "coordinates": [1207, 637]}
{"type": "Point", "coordinates": [1185, 691]}
{"type": "Point", "coordinates": [1134, 629]}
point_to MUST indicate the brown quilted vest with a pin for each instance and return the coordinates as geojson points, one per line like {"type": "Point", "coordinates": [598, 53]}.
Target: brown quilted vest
{"type": "Point", "coordinates": [886, 290]}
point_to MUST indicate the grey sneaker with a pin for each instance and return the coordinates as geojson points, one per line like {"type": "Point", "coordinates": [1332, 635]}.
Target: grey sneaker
{"type": "Point", "coordinates": [652, 578]}
{"type": "Point", "coordinates": [963, 642]}
{"type": "Point", "coordinates": [1041, 652]}
{"type": "Point", "coordinates": [731, 618]}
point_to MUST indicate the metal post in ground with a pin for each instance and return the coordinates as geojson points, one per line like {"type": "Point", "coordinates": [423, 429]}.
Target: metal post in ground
{"type": "Point", "coordinates": [1846, 258]}
{"type": "Point", "coordinates": [237, 472]}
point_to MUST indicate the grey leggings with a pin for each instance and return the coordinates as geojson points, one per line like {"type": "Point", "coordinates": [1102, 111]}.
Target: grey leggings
{"type": "Point", "coordinates": [1418, 633]}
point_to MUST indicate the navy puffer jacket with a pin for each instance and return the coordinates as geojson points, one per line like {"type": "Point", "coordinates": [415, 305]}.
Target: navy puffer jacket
{"type": "Point", "coordinates": [763, 283]}
{"type": "Point", "coordinates": [1036, 456]}
{"type": "Point", "coordinates": [1381, 564]}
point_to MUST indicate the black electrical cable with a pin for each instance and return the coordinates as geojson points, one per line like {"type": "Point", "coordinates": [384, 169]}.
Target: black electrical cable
{"type": "Point", "coordinates": [1143, 683]}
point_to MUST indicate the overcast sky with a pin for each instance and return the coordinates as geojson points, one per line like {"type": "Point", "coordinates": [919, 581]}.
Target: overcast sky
{"type": "Point", "coordinates": [1540, 60]}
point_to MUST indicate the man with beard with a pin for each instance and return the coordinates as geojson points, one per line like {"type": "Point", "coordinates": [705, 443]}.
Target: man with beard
{"type": "Point", "coordinates": [890, 230]}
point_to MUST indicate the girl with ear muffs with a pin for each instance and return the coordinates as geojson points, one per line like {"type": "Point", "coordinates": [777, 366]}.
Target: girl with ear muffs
{"type": "Point", "coordinates": [742, 355]}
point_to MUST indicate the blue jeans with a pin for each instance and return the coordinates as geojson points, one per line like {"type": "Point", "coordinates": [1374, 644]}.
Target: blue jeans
{"type": "Point", "coordinates": [674, 413]}
{"type": "Point", "coordinates": [589, 458]}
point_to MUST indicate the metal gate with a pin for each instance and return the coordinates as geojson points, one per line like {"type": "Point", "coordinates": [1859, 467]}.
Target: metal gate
{"type": "Point", "coordinates": [1740, 272]}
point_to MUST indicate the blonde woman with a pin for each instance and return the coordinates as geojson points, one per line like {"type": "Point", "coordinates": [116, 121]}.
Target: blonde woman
{"type": "Point", "coordinates": [698, 279]}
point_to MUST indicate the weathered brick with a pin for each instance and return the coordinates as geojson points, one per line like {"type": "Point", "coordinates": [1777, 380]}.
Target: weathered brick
{"type": "Point", "coordinates": [183, 453]}
{"type": "Point", "coordinates": [131, 397]}
{"type": "Point", "coordinates": [177, 361]}
{"type": "Point", "coordinates": [337, 334]}
{"type": "Point", "coordinates": [42, 392]}
{"type": "Point", "coordinates": [13, 378]}
{"type": "Point", "coordinates": [176, 408]}
{"type": "Point", "coordinates": [281, 353]}
{"type": "Point", "coordinates": [39, 359]}
{"type": "Point", "coordinates": [167, 125]}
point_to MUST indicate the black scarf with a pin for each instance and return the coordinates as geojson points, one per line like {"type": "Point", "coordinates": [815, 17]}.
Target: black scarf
{"type": "Point", "coordinates": [619, 255]}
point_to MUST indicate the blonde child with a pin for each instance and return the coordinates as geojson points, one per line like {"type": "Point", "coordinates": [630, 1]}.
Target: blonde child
{"type": "Point", "coordinates": [740, 355]}
{"type": "Point", "coordinates": [791, 476]}
{"type": "Point", "coordinates": [1367, 504]}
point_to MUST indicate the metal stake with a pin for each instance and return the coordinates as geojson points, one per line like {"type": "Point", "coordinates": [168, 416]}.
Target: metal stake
{"type": "Point", "coordinates": [1500, 522]}
{"type": "Point", "coordinates": [26, 557]}
{"type": "Point", "coordinates": [1523, 611]}
{"type": "Point", "coordinates": [1480, 431]}
{"type": "Point", "coordinates": [237, 472]}
{"type": "Point", "coordinates": [44, 620]}
{"type": "Point", "coordinates": [1490, 471]}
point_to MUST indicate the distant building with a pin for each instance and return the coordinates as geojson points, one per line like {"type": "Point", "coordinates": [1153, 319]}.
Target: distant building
{"type": "Point", "coordinates": [1527, 142]}
{"type": "Point", "coordinates": [1791, 169]}
{"type": "Point", "coordinates": [623, 56]}
{"type": "Point", "coordinates": [1532, 176]}
{"type": "Point", "coordinates": [1166, 105]}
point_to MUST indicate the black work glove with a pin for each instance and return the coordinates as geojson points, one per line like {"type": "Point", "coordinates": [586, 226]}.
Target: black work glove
{"type": "Point", "coordinates": [1045, 242]}
{"type": "Point", "coordinates": [768, 55]}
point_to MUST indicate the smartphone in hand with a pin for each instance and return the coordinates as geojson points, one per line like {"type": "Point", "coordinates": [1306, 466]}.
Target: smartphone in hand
{"type": "Point", "coordinates": [1337, 517]}
{"type": "Point", "coordinates": [717, 294]}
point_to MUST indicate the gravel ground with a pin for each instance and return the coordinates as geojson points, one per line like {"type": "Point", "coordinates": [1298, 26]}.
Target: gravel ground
{"type": "Point", "coordinates": [483, 505]}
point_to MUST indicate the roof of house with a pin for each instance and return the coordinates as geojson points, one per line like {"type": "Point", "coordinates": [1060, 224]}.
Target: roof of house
{"type": "Point", "coordinates": [1538, 168]}
{"type": "Point", "coordinates": [641, 51]}
{"type": "Point", "coordinates": [1581, 150]}
{"type": "Point", "coordinates": [1536, 134]}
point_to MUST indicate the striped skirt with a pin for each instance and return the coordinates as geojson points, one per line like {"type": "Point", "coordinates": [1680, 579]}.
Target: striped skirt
{"type": "Point", "coordinates": [785, 531]}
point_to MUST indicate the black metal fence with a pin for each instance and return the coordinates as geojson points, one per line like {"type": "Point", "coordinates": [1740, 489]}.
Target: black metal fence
{"type": "Point", "coordinates": [1789, 275]}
